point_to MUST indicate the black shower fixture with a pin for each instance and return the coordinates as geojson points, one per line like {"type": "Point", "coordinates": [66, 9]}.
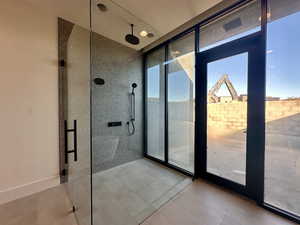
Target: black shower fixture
{"type": "Point", "coordinates": [102, 7]}
{"type": "Point", "coordinates": [134, 85]}
{"type": "Point", "coordinates": [132, 39]}
{"type": "Point", "coordinates": [130, 123]}
{"type": "Point", "coordinates": [99, 81]}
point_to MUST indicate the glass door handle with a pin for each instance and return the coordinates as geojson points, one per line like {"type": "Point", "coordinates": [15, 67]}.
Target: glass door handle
{"type": "Point", "coordinates": [67, 131]}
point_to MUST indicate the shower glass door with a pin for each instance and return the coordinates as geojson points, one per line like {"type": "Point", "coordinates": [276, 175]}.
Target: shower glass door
{"type": "Point", "coordinates": [74, 70]}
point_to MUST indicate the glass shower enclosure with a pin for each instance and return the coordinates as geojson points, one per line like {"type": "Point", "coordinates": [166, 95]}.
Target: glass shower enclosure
{"type": "Point", "coordinates": [101, 126]}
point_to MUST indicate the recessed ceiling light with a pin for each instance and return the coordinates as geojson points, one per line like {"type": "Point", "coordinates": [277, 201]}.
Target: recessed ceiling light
{"type": "Point", "coordinates": [143, 33]}
{"type": "Point", "coordinates": [268, 16]}
{"type": "Point", "coordinates": [176, 52]}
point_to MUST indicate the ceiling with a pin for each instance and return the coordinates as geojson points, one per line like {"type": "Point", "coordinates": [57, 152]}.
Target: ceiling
{"type": "Point", "coordinates": [157, 16]}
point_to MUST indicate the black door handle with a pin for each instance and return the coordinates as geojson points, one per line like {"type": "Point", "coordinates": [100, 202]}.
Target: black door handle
{"type": "Point", "coordinates": [74, 130]}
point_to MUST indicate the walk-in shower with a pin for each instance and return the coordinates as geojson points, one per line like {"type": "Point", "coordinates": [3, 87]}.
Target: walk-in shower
{"type": "Point", "coordinates": [102, 89]}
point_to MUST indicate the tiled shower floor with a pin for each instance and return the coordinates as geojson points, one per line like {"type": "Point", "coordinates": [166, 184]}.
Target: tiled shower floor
{"type": "Point", "coordinates": [128, 194]}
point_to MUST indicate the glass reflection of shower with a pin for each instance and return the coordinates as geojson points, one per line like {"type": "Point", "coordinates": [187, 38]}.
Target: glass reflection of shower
{"type": "Point", "coordinates": [130, 123]}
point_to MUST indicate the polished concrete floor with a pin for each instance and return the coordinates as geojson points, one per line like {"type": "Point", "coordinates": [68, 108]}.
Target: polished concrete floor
{"type": "Point", "coordinates": [50, 207]}
{"type": "Point", "coordinates": [206, 204]}
{"type": "Point", "coordinates": [227, 158]}
{"type": "Point", "coordinates": [128, 194]}
{"type": "Point", "coordinates": [200, 203]}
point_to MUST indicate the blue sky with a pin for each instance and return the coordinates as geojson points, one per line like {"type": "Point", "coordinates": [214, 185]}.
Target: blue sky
{"type": "Point", "coordinates": [283, 66]}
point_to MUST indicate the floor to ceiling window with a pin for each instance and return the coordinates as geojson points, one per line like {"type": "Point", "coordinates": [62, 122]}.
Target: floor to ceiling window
{"type": "Point", "coordinates": [282, 149]}
{"type": "Point", "coordinates": [181, 102]}
{"type": "Point", "coordinates": [170, 103]}
{"type": "Point", "coordinates": [155, 91]}
{"type": "Point", "coordinates": [236, 96]}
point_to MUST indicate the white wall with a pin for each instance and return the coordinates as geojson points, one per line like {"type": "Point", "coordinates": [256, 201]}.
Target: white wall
{"type": "Point", "coordinates": [29, 156]}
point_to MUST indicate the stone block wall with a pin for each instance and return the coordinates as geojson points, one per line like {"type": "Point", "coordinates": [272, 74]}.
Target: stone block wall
{"type": "Point", "coordinates": [233, 115]}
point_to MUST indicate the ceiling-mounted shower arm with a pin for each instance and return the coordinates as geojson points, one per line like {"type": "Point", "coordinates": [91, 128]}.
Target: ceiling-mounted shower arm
{"type": "Point", "coordinates": [131, 38]}
{"type": "Point", "coordinates": [131, 28]}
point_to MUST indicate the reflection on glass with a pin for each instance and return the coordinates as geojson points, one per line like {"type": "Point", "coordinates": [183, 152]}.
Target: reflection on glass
{"type": "Point", "coordinates": [75, 47]}
{"type": "Point", "coordinates": [227, 117]}
{"type": "Point", "coordinates": [282, 166]}
{"type": "Point", "coordinates": [156, 104]}
{"type": "Point", "coordinates": [239, 23]}
{"type": "Point", "coordinates": [181, 102]}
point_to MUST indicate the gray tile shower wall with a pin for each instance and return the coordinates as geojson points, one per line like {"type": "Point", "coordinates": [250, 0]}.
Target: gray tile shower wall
{"type": "Point", "coordinates": [119, 66]}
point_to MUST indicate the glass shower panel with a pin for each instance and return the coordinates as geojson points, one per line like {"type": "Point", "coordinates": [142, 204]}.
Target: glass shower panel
{"type": "Point", "coordinates": [282, 149]}
{"type": "Point", "coordinates": [181, 102]}
{"type": "Point", "coordinates": [74, 54]}
{"type": "Point", "coordinates": [155, 69]}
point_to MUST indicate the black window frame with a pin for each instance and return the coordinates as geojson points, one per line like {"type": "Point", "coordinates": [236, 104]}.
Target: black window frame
{"type": "Point", "coordinates": [262, 36]}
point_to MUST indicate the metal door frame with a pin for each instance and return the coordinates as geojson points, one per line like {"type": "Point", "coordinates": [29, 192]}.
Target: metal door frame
{"type": "Point", "coordinates": [251, 44]}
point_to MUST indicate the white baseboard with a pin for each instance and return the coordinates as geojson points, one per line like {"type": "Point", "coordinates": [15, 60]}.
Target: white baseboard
{"type": "Point", "coordinates": [21, 191]}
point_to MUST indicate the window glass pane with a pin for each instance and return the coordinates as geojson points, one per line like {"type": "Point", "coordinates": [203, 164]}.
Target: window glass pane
{"type": "Point", "coordinates": [181, 102]}
{"type": "Point", "coordinates": [282, 166]}
{"type": "Point", "coordinates": [239, 23]}
{"type": "Point", "coordinates": [156, 104]}
{"type": "Point", "coordinates": [227, 117]}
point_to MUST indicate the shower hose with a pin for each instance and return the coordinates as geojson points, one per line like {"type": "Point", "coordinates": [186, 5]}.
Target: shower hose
{"type": "Point", "coordinates": [131, 127]}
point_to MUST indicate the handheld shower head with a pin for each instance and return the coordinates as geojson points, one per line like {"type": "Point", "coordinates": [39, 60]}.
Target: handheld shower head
{"type": "Point", "coordinates": [134, 85]}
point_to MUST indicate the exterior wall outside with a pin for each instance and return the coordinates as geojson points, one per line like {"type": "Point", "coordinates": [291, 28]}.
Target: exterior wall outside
{"type": "Point", "coordinates": [229, 116]}
{"type": "Point", "coordinates": [233, 115]}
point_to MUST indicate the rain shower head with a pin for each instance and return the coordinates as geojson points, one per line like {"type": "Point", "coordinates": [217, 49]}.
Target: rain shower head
{"type": "Point", "coordinates": [132, 39]}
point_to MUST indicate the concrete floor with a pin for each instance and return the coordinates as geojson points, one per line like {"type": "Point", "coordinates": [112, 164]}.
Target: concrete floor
{"type": "Point", "coordinates": [128, 194]}
{"type": "Point", "coordinates": [50, 207]}
{"type": "Point", "coordinates": [200, 203]}
{"type": "Point", "coordinates": [227, 158]}
{"type": "Point", "coordinates": [206, 204]}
